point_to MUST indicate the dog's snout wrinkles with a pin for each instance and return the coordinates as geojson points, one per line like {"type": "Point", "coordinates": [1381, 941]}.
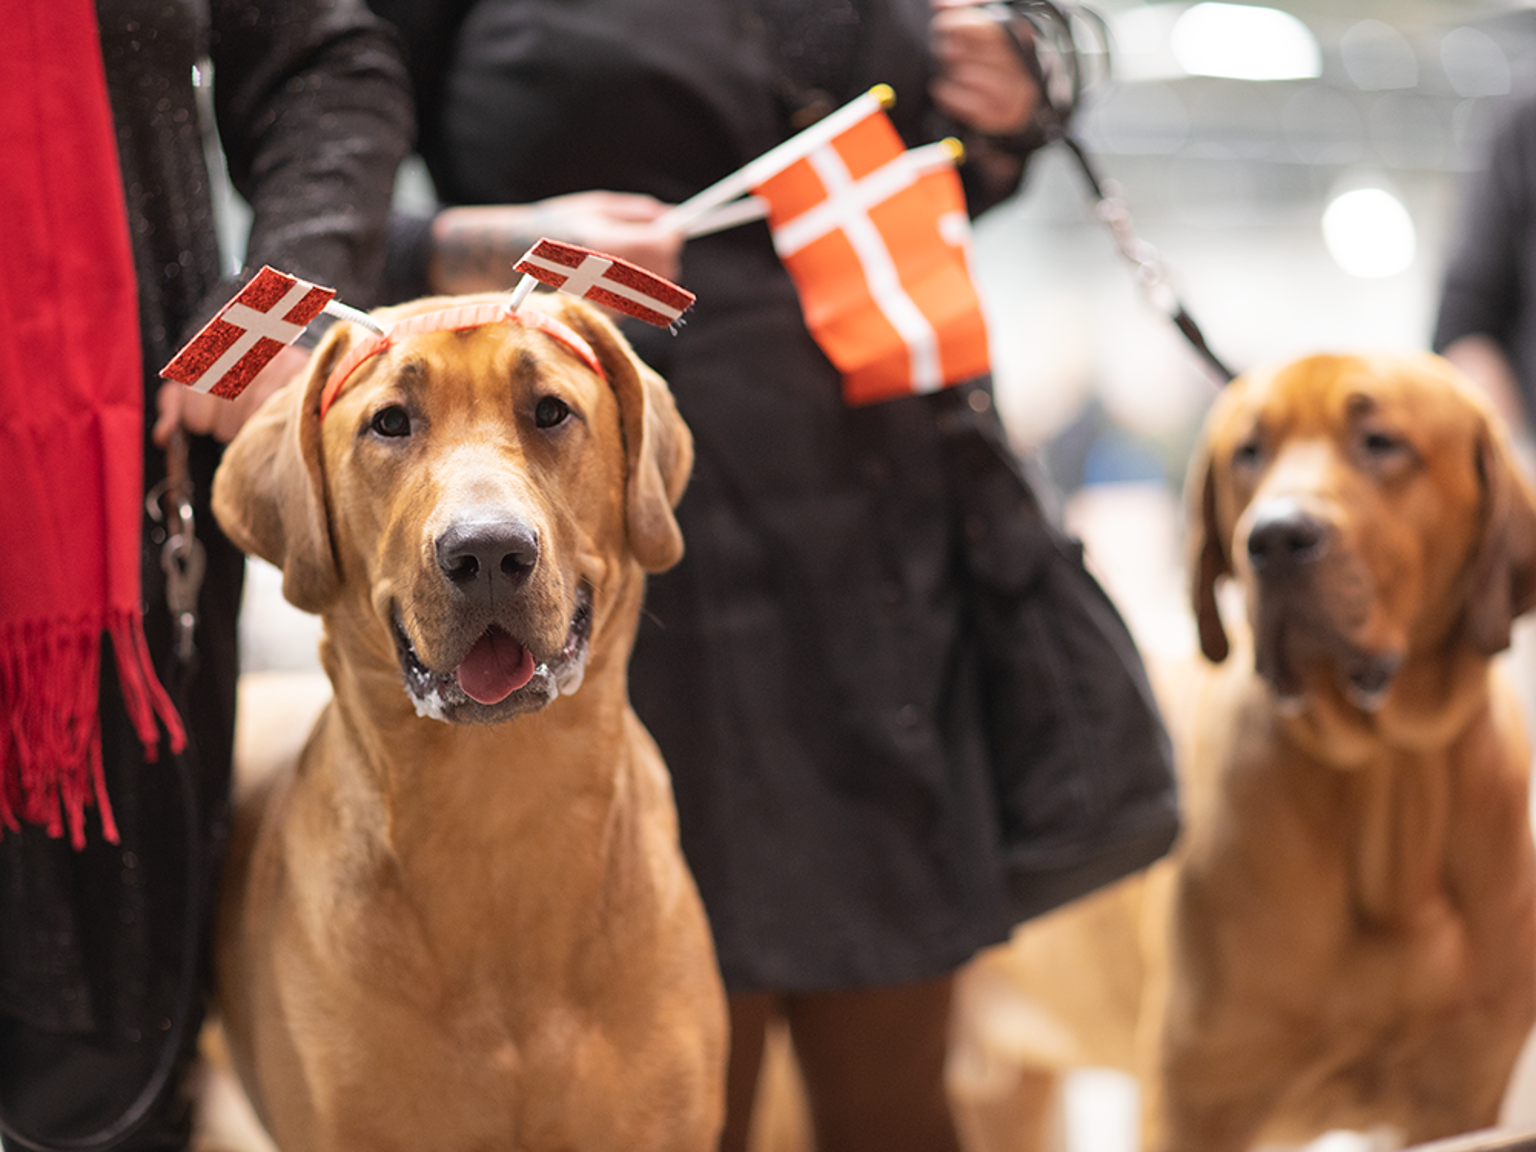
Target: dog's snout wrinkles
{"type": "Point", "coordinates": [1286, 536]}
{"type": "Point", "coordinates": [484, 553]}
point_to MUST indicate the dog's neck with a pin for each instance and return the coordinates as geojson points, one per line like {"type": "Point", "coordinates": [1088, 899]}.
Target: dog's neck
{"type": "Point", "coordinates": [1396, 773]}
{"type": "Point", "coordinates": [460, 822]}
{"type": "Point", "coordinates": [473, 778]}
{"type": "Point", "coordinates": [1432, 702]}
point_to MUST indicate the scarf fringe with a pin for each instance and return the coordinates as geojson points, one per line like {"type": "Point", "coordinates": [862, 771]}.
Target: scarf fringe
{"type": "Point", "coordinates": [50, 744]}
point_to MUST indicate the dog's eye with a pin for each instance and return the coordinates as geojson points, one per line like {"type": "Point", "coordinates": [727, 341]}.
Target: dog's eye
{"type": "Point", "coordinates": [1382, 444]}
{"type": "Point", "coordinates": [1248, 453]}
{"type": "Point", "coordinates": [549, 411]}
{"type": "Point", "coordinates": [392, 421]}
{"type": "Point", "coordinates": [1383, 449]}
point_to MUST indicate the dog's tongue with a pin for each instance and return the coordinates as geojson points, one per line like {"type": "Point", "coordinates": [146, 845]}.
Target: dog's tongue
{"type": "Point", "coordinates": [496, 667]}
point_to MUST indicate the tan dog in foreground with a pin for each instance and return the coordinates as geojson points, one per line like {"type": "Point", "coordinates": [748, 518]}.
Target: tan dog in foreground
{"type": "Point", "coordinates": [462, 919]}
{"type": "Point", "coordinates": [1347, 935]}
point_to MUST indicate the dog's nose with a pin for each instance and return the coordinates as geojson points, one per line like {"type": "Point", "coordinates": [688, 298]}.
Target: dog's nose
{"type": "Point", "coordinates": [1286, 535]}
{"type": "Point", "coordinates": [477, 553]}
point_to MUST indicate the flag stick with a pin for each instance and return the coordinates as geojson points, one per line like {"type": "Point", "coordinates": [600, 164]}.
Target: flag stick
{"type": "Point", "coordinates": [776, 159]}
{"type": "Point", "coordinates": [520, 293]}
{"type": "Point", "coordinates": [342, 311]}
{"type": "Point", "coordinates": [742, 211]}
{"type": "Point", "coordinates": [925, 158]}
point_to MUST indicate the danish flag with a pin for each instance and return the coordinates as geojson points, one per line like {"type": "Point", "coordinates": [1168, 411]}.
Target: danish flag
{"type": "Point", "coordinates": [608, 280]}
{"type": "Point", "coordinates": [876, 239]}
{"type": "Point", "coordinates": [265, 316]}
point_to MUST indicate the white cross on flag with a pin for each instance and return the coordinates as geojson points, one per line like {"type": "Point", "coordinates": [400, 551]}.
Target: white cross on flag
{"type": "Point", "coordinates": [606, 280]}
{"type": "Point", "coordinates": [265, 316]}
{"type": "Point", "coordinates": [876, 239]}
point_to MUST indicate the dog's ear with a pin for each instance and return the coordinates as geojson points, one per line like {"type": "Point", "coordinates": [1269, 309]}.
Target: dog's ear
{"type": "Point", "coordinates": [269, 492]}
{"type": "Point", "coordinates": [1205, 553]}
{"type": "Point", "coordinates": [1503, 584]}
{"type": "Point", "coordinates": [657, 444]}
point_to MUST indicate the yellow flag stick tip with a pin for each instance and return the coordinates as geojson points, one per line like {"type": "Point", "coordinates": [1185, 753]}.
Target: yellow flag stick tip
{"type": "Point", "coordinates": [955, 149]}
{"type": "Point", "coordinates": [885, 94]}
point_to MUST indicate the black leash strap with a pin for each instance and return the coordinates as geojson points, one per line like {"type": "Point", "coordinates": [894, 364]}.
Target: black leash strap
{"type": "Point", "coordinates": [1061, 90]}
{"type": "Point", "coordinates": [1150, 271]}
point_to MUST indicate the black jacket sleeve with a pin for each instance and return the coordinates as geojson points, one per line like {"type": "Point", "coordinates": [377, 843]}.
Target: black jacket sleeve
{"type": "Point", "coordinates": [315, 114]}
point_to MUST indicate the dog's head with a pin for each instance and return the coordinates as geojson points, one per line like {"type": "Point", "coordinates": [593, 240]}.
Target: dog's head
{"type": "Point", "coordinates": [1371, 511]}
{"type": "Point", "coordinates": [482, 500]}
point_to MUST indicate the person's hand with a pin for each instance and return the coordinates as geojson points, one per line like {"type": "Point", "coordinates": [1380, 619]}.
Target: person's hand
{"type": "Point", "coordinates": [981, 81]}
{"type": "Point", "coordinates": [475, 246]}
{"type": "Point", "coordinates": [177, 406]}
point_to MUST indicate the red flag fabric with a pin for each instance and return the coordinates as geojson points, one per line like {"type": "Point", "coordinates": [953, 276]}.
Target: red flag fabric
{"type": "Point", "coordinates": [72, 398]}
{"type": "Point", "coordinates": [876, 240]}
{"type": "Point", "coordinates": [265, 316]}
{"type": "Point", "coordinates": [608, 280]}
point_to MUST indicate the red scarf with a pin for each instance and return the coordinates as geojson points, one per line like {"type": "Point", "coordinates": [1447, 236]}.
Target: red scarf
{"type": "Point", "coordinates": [71, 426]}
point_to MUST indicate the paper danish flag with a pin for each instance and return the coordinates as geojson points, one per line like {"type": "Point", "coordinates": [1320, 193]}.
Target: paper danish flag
{"type": "Point", "coordinates": [877, 240]}
{"type": "Point", "coordinates": [607, 280]}
{"type": "Point", "coordinates": [265, 316]}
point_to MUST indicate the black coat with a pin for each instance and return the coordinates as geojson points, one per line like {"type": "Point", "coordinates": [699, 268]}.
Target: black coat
{"type": "Point", "coordinates": [806, 669]}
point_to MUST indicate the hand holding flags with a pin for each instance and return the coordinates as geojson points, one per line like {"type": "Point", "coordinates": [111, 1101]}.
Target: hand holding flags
{"type": "Point", "coordinates": [875, 238]}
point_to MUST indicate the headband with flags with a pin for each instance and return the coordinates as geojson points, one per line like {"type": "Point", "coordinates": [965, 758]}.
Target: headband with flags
{"type": "Point", "coordinates": [272, 309]}
{"type": "Point", "coordinates": [452, 319]}
{"type": "Point", "coordinates": [876, 239]}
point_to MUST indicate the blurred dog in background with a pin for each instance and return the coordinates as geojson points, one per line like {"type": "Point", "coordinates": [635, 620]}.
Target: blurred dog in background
{"type": "Point", "coordinates": [1345, 936]}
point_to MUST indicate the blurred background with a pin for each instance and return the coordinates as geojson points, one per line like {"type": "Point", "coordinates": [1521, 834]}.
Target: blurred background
{"type": "Point", "coordinates": [1297, 167]}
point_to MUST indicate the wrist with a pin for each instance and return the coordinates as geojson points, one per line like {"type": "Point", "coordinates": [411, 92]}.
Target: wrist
{"type": "Point", "coordinates": [473, 249]}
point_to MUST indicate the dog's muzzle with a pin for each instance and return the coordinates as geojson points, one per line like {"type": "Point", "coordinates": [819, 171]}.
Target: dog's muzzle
{"type": "Point", "coordinates": [485, 561]}
{"type": "Point", "coordinates": [498, 678]}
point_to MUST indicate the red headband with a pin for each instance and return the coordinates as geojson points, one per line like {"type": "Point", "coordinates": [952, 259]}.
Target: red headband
{"type": "Point", "coordinates": [453, 319]}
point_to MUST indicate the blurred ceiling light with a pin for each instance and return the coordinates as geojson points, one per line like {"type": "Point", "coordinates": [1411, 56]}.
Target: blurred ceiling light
{"type": "Point", "coordinates": [1369, 233]}
{"type": "Point", "coordinates": [1474, 63]}
{"type": "Point", "coordinates": [1243, 42]}
{"type": "Point", "coordinates": [1378, 57]}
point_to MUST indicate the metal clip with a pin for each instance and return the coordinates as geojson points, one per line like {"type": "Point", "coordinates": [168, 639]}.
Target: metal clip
{"type": "Point", "coordinates": [184, 560]}
{"type": "Point", "coordinates": [182, 557]}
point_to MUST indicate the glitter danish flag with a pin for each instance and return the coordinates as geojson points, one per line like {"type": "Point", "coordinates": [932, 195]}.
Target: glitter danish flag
{"type": "Point", "coordinates": [606, 280]}
{"type": "Point", "coordinates": [265, 316]}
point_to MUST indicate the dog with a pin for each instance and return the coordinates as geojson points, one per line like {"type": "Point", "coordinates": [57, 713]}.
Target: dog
{"type": "Point", "coordinates": [461, 919]}
{"type": "Point", "coordinates": [1345, 935]}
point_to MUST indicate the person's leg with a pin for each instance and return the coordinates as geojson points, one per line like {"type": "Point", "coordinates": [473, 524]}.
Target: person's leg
{"type": "Point", "coordinates": [750, 1013]}
{"type": "Point", "coordinates": [873, 1062]}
